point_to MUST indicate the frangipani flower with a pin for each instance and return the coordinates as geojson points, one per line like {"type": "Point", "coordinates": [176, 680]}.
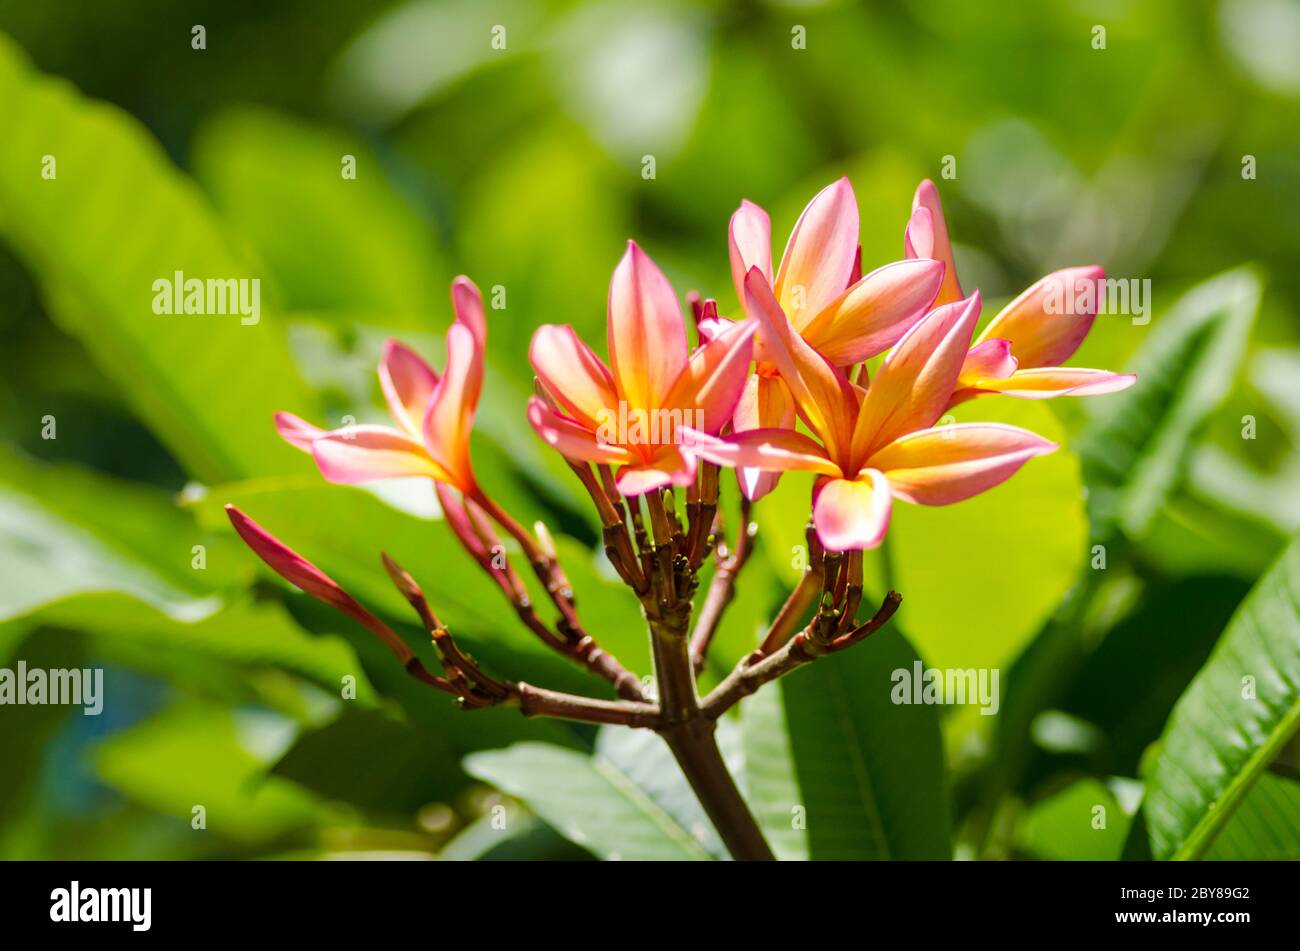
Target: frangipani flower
{"type": "Point", "coordinates": [433, 414]}
{"type": "Point", "coordinates": [879, 443]}
{"type": "Point", "coordinates": [631, 413]}
{"type": "Point", "coordinates": [845, 317]}
{"type": "Point", "coordinates": [1021, 351]}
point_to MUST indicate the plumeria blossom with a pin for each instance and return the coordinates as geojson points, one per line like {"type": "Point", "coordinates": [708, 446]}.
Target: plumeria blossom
{"type": "Point", "coordinates": [631, 412]}
{"type": "Point", "coordinates": [881, 443]}
{"type": "Point", "coordinates": [1021, 351]}
{"type": "Point", "coordinates": [432, 414]}
{"type": "Point", "coordinates": [844, 316]}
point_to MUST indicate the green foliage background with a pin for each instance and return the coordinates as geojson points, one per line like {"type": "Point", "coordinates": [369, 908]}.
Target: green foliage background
{"type": "Point", "coordinates": [1121, 687]}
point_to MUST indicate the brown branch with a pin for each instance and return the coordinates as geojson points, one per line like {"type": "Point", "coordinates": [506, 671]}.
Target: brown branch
{"type": "Point", "coordinates": [805, 647]}
{"type": "Point", "coordinates": [539, 702]}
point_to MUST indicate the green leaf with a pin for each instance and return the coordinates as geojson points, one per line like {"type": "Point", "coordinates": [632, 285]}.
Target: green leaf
{"type": "Point", "coordinates": [331, 242]}
{"type": "Point", "coordinates": [1082, 821]}
{"type": "Point", "coordinates": [246, 634]}
{"type": "Point", "coordinates": [1136, 450]}
{"type": "Point", "coordinates": [1265, 827]}
{"type": "Point", "coordinates": [835, 769]}
{"type": "Point", "coordinates": [1232, 722]}
{"type": "Point", "coordinates": [115, 219]}
{"type": "Point", "coordinates": [523, 837]}
{"type": "Point", "coordinates": [201, 755]}
{"type": "Point", "coordinates": [593, 801]}
{"type": "Point", "coordinates": [65, 531]}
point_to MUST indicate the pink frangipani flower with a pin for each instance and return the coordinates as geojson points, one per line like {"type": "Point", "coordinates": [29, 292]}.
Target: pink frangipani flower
{"type": "Point", "coordinates": [433, 414]}
{"type": "Point", "coordinates": [1021, 351]}
{"type": "Point", "coordinates": [844, 316]}
{"type": "Point", "coordinates": [880, 443]}
{"type": "Point", "coordinates": [631, 412]}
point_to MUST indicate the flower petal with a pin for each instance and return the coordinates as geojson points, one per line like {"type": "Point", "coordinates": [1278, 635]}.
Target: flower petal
{"type": "Point", "coordinates": [647, 339]}
{"type": "Point", "coordinates": [574, 375]}
{"type": "Point", "coordinates": [407, 382]}
{"type": "Point", "coordinates": [749, 241]}
{"type": "Point", "coordinates": [871, 316]}
{"type": "Point", "coordinates": [765, 403]}
{"type": "Point", "coordinates": [990, 360]}
{"type": "Point", "coordinates": [818, 258]}
{"type": "Point", "coordinates": [450, 415]}
{"type": "Point", "coordinates": [669, 466]}
{"type": "Point", "coordinates": [571, 439]}
{"type": "Point", "coordinates": [1042, 383]}
{"type": "Point", "coordinates": [852, 515]}
{"type": "Point", "coordinates": [297, 432]}
{"type": "Point", "coordinates": [913, 386]}
{"type": "Point", "coordinates": [1047, 322]}
{"type": "Point", "coordinates": [772, 450]}
{"type": "Point", "coordinates": [467, 304]}
{"type": "Point", "coordinates": [365, 453]}
{"type": "Point", "coordinates": [711, 384]}
{"type": "Point", "coordinates": [822, 394]}
{"type": "Point", "coordinates": [949, 463]}
{"type": "Point", "coordinates": [927, 237]}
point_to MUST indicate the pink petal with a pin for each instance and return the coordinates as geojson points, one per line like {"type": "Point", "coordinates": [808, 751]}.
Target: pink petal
{"type": "Point", "coordinates": [711, 384]}
{"type": "Point", "coordinates": [927, 237]}
{"type": "Point", "coordinates": [1049, 320]}
{"type": "Point", "coordinates": [990, 360]}
{"type": "Point", "coordinates": [574, 375]}
{"type": "Point", "coordinates": [765, 403]}
{"type": "Point", "coordinates": [1045, 382]}
{"type": "Point", "coordinates": [819, 256]}
{"type": "Point", "coordinates": [467, 304]}
{"type": "Point", "coordinates": [407, 382]}
{"type": "Point", "coordinates": [297, 432]}
{"type": "Point", "coordinates": [749, 241]}
{"type": "Point", "coordinates": [771, 450]}
{"type": "Point", "coordinates": [874, 313]}
{"type": "Point", "coordinates": [366, 453]}
{"type": "Point", "coordinates": [710, 327]}
{"type": "Point", "coordinates": [950, 463]}
{"type": "Point", "coordinates": [450, 415]}
{"type": "Point", "coordinates": [852, 515]}
{"type": "Point", "coordinates": [822, 394]}
{"type": "Point", "coordinates": [571, 439]}
{"type": "Point", "coordinates": [669, 466]}
{"type": "Point", "coordinates": [647, 339]}
{"type": "Point", "coordinates": [915, 382]}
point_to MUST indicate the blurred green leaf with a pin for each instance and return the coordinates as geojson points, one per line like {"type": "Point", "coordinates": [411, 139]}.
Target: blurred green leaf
{"type": "Point", "coordinates": [331, 242]}
{"type": "Point", "coordinates": [834, 769]}
{"type": "Point", "coordinates": [1136, 450]}
{"type": "Point", "coordinates": [522, 837]}
{"type": "Point", "coordinates": [1237, 715]}
{"type": "Point", "coordinates": [117, 218]}
{"type": "Point", "coordinates": [69, 531]}
{"type": "Point", "coordinates": [594, 801]}
{"type": "Point", "coordinates": [1082, 821]}
{"type": "Point", "coordinates": [198, 755]}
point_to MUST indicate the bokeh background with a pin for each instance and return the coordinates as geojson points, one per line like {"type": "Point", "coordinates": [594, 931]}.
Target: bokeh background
{"type": "Point", "coordinates": [1172, 154]}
